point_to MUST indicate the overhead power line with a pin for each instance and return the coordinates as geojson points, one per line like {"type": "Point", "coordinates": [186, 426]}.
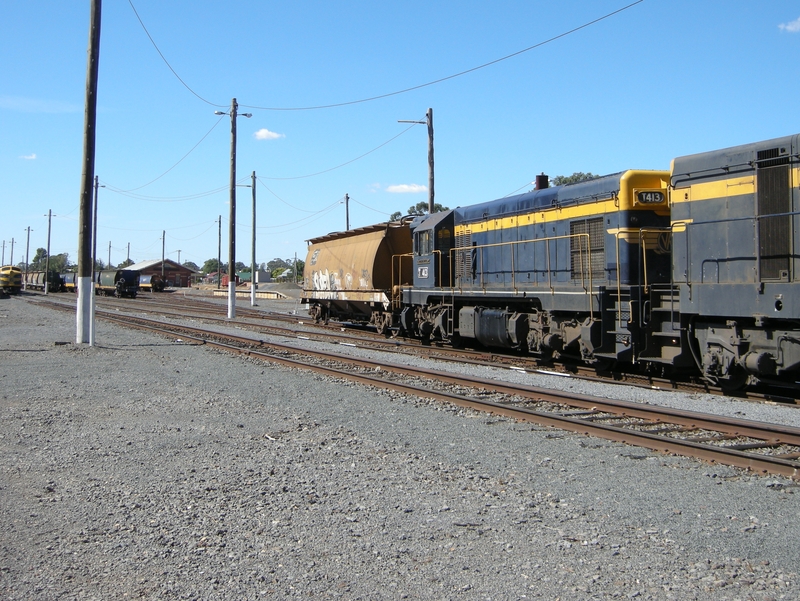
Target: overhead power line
{"type": "Point", "coordinates": [165, 198]}
{"type": "Point", "coordinates": [343, 164]}
{"type": "Point", "coordinates": [395, 93]}
{"type": "Point", "coordinates": [179, 161]}
{"type": "Point", "coordinates": [367, 206]}
{"type": "Point", "coordinates": [166, 62]}
{"type": "Point", "coordinates": [459, 74]}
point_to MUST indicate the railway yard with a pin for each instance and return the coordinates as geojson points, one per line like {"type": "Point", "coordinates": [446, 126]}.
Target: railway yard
{"type": "Point", "coordinates": [269, 458]}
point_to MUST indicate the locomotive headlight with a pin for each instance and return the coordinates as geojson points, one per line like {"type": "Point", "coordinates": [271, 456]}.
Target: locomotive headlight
{"type": "Point", "coordinates": [650, 197]}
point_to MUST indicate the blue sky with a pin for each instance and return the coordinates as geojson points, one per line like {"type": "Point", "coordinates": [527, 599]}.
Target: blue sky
{"type": "Point", "coordinates": [660, 79]}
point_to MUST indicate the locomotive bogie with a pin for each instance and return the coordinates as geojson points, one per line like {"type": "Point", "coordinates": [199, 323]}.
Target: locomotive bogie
{"type": "Point", "coordinates": [731, 348]}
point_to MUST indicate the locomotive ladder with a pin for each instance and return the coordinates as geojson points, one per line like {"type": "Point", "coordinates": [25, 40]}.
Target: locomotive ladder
{"type": "Point", "coordinates": [660, 313]}
{"type": "Point", "coordinates": [620, 312]}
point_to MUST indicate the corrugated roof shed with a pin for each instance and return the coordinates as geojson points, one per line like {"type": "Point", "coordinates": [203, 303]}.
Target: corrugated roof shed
{"type": "Point", "coordinates": [153, 262]}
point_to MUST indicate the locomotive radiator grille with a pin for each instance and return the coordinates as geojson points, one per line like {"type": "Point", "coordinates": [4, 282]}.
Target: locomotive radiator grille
{"type": "Point", "coordinates": [464, 257]}
{"type": "Point", "coordinates": [581, 256]}
{"type": "Point", "coordinates": [774, 198]}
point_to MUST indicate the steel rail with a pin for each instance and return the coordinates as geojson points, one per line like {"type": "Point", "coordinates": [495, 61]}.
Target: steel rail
{"type": "Point", "coordinates": [771, 435]}
{"type": "Point", "coordinates": [474, 357]}
{"type": "Point", "coordinates": [773, 393]}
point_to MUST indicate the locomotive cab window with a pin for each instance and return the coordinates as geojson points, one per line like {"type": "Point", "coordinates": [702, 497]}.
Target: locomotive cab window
{"type": "Point", "coordinates": [424, 243]}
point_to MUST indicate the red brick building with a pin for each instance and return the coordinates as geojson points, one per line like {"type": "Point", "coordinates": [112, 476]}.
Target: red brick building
{"type": "Point", "coordinates": [174, 274]}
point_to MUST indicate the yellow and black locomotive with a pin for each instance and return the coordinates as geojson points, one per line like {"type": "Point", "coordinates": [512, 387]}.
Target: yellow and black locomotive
{"type": "Point", "coordinates": [692, 269]}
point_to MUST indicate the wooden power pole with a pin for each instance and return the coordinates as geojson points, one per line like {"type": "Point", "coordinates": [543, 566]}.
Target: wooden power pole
{"type": "Point", "coordinates": [430, 160]}
{"type": "Point", "coordinates": [85, 283]}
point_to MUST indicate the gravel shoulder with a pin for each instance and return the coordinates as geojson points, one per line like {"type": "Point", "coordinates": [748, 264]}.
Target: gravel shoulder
{"type": "Point", "coordinates": [145, 467]}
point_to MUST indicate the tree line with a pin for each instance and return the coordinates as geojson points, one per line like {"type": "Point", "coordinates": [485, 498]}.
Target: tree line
{"type": "Point", "coordinates": [274, 267]}
{"type": "Point", "coordinates": [61, 263]}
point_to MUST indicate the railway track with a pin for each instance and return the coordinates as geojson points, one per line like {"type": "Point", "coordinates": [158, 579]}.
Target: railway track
{"type": "Point", "coordinates": [764, 448]}
{"type": "Point", "coordinates": [296, 325]}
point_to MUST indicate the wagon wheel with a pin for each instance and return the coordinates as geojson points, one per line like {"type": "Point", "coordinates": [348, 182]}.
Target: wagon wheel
{"type": "Point", "coordinates": [383, 323]}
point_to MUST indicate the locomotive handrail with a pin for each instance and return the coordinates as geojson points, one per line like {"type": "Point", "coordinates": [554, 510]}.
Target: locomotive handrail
{"type": "Point", "coordinates": [439, 272]}
{"type": "Point", "coordinates": [619, 285]}
{"type": "Point", "coordinates": [396, 298]}
{"type": "Point", "coordinates": [643, 275]}
{"type": "Point", "coordinates": [587, 285]}
{"type": "Point", "coordinates": [687, 222]}
{"type": "Point", "coordinates": [643, 247]}
{"type": "Point", "coordinates": [725, 170]}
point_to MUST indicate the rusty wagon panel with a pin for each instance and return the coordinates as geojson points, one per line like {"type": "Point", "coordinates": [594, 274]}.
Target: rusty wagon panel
{"type": "Point", "coordinates": [354, 272]}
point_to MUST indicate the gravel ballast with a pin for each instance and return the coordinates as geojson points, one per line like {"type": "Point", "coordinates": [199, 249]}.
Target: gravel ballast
{"type": "Point", "coordinates": [146, 467]}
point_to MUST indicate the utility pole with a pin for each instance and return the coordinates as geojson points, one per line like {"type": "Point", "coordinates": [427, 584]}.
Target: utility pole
{"type": "Point", "coordinates": [3, 260]}
{"type": "Point", "coordinates": [346, 212]}
{"type": "Point", "coordinates": [253, 258]}
{"type": "Point", "coordinates": [83, 317]}
{"type": "Point", "coordinates": [109, 254]}
{"type": "Point", "coordinates": [47, 260]}
{"type": "Point", "coordinates": [232, 227]}
{"type": "Point", "coordinates": [429, 122]}
{"type": "Point", "coordinates": [163, 238]}
{"type": "Point", "coordinates": [232, 224]}
{"type": "Point", "coordinates": [219, 254]}
{"type": "Point", "coordinates": [11, 262]}
{"type": "Point", "coordinates": [430, 161]}
{"type": "Point", "coordinates": [27, 256]}
{"type": "Point", "coordinates": [129, 252]}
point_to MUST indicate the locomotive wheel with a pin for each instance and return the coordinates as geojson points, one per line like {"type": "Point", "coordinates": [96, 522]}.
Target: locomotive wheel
{"type": "Point", "coordinates": [737, 379]}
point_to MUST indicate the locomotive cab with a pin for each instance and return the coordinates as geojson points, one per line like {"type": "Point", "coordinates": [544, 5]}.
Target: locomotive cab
{"type": "Point", "coordinates": [433, 240]}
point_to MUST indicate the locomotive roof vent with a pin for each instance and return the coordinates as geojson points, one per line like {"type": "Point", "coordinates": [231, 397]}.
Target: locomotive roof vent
{"type": "Point", "coordinates": [542, 182]}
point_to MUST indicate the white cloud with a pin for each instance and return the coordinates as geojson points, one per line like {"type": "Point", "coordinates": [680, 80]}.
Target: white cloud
{"type": "Point", "coordinates": [265, 134]}
{"type": "Point", "coordinates": [791, 27]}
{"type": "Point", "coordinates": [406, 189]}
{"type": "Point", "coordinates": [29, 157]}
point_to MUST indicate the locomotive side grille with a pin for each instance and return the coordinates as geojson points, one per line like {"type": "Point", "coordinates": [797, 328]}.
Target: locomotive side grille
{"type": "Point", "coordinates": [464, 255]}
{"type": "Point", "coordinates": [771, 158]}
{"type": "Point", "coordinates": [774, 198]}
{"type": "Point", "coordinates": [580, 255]}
